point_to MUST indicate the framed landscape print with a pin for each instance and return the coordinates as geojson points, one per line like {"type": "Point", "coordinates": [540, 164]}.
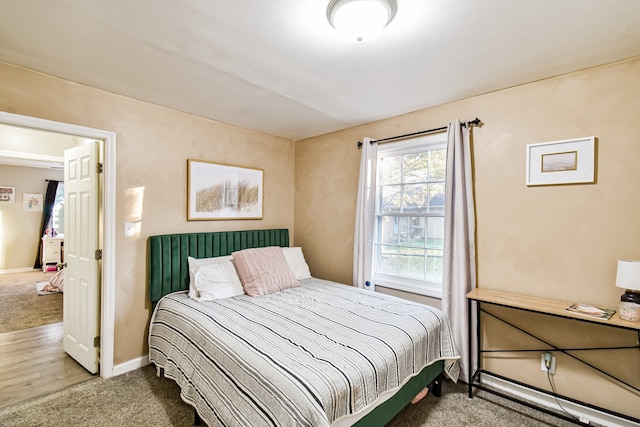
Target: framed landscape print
{"type": "Point", "coordinates": [219, 191]}
{"type": "Point", "coordinates": [570, 161]}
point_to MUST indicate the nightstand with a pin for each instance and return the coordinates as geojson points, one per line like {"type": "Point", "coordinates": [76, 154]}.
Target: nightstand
{"type": "Point", "coordinates": [52, 252]}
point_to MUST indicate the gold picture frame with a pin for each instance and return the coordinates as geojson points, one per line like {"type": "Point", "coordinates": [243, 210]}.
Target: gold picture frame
{"type": "Point", "coordinates": [218, 191]}
{"type": "Point", "coordinates": [569, 161]}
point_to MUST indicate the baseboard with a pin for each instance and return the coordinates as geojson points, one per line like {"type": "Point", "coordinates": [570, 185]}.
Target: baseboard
{"type": "Point", "coordinates": [593, 415]}
{"type": "Point", "coordinates": [20, 270]}
{"type": "Point", "coordinates": [130, 365]}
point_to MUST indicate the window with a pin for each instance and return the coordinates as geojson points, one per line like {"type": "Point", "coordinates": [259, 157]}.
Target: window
{"type": "Point", "coordinates": [409, 226]}
{"type": "Point", "coordinates": [56, 222]}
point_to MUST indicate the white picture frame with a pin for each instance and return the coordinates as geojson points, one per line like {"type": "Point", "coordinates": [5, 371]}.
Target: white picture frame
{"type": "Point", "coordinates": [32, 202]}
{"type": "Point", "coordinates": [568, 161]}
{"type": "Point", "coordinates": [7, 194]}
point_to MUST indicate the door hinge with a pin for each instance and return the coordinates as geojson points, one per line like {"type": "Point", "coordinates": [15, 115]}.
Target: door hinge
{"type": "Point", "coordinates": [98, 254]}
{"type": "Point", "coordinates": [96, 342]}
{"type": "Point", "coordinates": [99, 167]}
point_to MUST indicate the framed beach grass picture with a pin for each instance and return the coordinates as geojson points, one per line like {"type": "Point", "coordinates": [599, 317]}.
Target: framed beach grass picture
{"type": "Point", "coordinates": [217, 191]}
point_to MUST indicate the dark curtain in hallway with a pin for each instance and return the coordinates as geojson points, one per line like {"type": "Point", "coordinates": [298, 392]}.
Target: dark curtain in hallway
{"type": "Point", "coordinates": [47, 210]}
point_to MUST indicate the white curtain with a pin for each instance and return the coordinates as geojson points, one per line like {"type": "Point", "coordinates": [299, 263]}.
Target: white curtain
{"type": "Point", "coordinates": [365, 220]}
{"type": "Point", "coordinates": [459, 241]}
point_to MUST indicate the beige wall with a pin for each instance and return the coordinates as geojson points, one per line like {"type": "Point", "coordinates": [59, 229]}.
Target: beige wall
{"type": "Point", "coordinates": [559, 242]}
{"type": "Point", "coordinates": [153, 145]}
{"type": "Point", "coordinates": [19, 230]}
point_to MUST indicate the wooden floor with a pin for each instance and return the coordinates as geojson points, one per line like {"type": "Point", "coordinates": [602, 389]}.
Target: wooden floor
{"type": "Point", "coordinates": [33, 363]}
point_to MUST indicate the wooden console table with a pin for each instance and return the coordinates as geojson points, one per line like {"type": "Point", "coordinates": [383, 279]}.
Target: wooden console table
{"type": "Point", "coordinates": [546, 307]}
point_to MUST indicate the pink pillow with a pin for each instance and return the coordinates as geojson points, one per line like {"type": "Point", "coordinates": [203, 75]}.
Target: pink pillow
{"type": "Point", "coordinates": [263, 271]}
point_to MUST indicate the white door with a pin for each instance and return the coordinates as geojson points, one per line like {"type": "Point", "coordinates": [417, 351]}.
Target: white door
{"type": "Point", "coordinates": [81, 312]}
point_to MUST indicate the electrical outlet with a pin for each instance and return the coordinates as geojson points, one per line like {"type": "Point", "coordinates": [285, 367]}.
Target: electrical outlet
{"type": "Point", "coordinates": [551, 360]}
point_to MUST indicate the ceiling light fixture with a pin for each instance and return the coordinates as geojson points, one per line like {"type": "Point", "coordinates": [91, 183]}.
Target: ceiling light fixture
{"type": "Point", "coordinates": [360, 20]}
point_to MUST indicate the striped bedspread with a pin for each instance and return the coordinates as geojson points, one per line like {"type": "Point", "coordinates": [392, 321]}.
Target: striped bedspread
{"type": "Point", "coordinates": [304, 356]}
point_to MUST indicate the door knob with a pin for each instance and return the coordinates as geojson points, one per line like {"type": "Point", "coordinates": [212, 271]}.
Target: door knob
{"type": "Point", "coordinates": [61, 265]}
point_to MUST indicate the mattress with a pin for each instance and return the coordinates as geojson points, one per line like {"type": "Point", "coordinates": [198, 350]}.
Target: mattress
{"type": "Point", "coordinates": [306, 356]}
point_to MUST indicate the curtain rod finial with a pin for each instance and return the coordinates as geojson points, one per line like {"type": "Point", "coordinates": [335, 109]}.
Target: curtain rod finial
{"type": "Point", "coordinates": [476, 122]}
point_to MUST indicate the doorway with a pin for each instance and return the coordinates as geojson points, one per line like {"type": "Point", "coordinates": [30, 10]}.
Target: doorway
{"type": "Point", "coordinates": [34, 360]}
{"type": "Point", "coordinates": [107, 308]}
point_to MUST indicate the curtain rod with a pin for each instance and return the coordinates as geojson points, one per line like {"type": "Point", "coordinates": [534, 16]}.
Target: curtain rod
{"type": "Point", "coordinates": [475, 122]}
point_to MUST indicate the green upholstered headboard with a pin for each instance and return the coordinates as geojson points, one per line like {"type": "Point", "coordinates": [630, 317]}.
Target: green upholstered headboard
{"type": "Point", "coordinates": [167, 267]}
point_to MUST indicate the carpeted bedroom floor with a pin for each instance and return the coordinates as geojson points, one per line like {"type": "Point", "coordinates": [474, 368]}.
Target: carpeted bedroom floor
{"type": "Point", "coordinates": [139, 398]}
{"type": "Point", "coordinates": [20, 305]}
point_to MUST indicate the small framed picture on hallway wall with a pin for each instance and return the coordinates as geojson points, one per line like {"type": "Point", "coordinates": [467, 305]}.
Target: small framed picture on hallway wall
{"type": "Point", "coordinates": [7, 194]}
{"type": "Point", "coordinates": [32, 202]}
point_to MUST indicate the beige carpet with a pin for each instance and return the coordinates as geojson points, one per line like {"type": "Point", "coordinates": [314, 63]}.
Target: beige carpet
{"type": "Point", "coordinates": [139, 398]}
{"type": "Point", "coordinates": [20, 305]}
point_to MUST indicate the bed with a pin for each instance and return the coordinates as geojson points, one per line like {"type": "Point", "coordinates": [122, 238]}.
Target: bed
{"type": "Point", "coordinates": [315, 353]}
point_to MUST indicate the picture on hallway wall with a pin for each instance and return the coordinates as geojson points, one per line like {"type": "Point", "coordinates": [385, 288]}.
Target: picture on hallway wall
{"type": "Point", "coordinates": [32, 202]}
{"type": "Point", "coordinates": [223, 192]}
{"type": "Point", "coordinates": [7, 194]}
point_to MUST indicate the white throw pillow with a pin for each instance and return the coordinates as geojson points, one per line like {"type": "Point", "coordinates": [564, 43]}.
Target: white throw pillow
{"type": "Point", "coordinates": [217, 281]}
{"type": "Point", "coordinates": [297, 263]}
{"type": "Point", "coordinates": [195, 263]}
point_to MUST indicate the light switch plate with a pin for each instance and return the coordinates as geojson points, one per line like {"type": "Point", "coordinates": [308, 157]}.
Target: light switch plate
{"type": "Point", "coordinates": [129, 229]}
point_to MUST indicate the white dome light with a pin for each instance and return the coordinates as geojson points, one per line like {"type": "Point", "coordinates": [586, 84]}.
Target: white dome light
{"type": "Point", "coordinates": [360, 20]}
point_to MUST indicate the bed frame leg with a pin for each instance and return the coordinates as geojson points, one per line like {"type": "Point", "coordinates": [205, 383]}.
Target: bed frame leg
{"type": "Point", "coordinates": [196, 418]}
{"type": "Point", "coordinates": [436, 386]}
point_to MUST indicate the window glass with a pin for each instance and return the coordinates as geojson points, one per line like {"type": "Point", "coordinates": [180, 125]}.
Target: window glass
{"type": "Point", "coordinates": [388, 259]}
{"type": "Point", "coordinates": [415, 167]}
{"type": "Point", "coordinates": [391, 198]}
{"type": "Point", "coordinates": [415, 198]}
{"type": "Point", "coordinates": [389, 170]}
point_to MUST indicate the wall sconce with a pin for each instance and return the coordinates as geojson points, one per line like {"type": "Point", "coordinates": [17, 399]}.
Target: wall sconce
{"type": "Point", "coordinates": [359, 20]}
{"type": "Point", "coordinates": [628, 278]}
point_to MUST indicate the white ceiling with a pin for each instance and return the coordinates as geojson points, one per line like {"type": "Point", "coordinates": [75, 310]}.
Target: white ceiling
{"type": "Point", "coordinates": [277, 66]}
{"type": "Point", "coordinates": [20, 146]}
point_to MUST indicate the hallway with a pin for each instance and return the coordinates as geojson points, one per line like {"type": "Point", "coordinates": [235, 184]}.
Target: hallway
{"type": "Point", "coordinates": [33, 363]}
{"type": "Point", "coordinates": [32, 360]}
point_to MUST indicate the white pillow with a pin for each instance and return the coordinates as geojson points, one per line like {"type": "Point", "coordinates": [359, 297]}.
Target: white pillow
{"type": "Point", "coordinates": [297, 263]}
{"type": "Point", "coordinates": [195, 263]}
{"type": "Point", "coordinates": [217, 281]}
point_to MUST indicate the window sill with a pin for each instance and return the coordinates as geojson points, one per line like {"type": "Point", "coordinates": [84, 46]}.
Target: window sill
{"type": "Point", "coordinates": [410, 288]}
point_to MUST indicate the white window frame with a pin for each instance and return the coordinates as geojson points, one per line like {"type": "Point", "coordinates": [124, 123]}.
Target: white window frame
{"type": "Point", "coordinates": [54, 221]}
{"type": "Point", "coordinates": [408, 146]}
